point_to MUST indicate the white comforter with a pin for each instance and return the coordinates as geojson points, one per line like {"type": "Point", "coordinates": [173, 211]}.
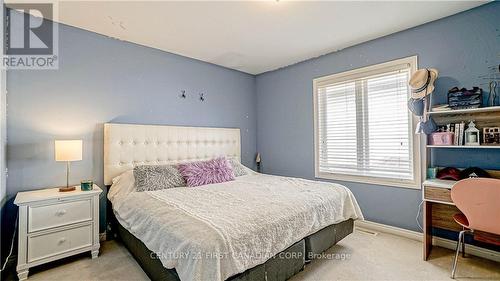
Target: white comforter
{"type": "Point", "coordinates": [215, 231]}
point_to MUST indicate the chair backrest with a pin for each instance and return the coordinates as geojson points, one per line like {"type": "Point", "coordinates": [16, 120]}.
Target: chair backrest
{"type": "Point", "coordinates": [479, 200]}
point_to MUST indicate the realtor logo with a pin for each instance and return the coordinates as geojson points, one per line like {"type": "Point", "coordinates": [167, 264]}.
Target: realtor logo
{"type": "Point", "coordinates": [30, 36]}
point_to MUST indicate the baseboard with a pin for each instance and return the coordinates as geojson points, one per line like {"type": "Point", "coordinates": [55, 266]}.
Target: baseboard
{"type": "Point", "coordinates": [378, 227]}
{"type": "Point", "coordinates": [470, 249]}
{"type": "Point", "coordinates": [436, 241]}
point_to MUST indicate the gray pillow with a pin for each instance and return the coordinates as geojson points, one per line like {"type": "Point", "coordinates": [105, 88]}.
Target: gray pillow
{"type": "Point", "coordinates": [238, 168]}
{"type": "Point", "coordinates": [157, 177]}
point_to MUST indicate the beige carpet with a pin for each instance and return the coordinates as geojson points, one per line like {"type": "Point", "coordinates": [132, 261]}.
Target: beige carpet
{"type": "Point", "coordinates": [359, 256]}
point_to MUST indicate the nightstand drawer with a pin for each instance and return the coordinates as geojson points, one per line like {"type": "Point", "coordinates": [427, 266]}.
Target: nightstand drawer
{"type": "Point", "coordinates": [51, 244]}
{"type": "Point", "coordinates": [48, 216]}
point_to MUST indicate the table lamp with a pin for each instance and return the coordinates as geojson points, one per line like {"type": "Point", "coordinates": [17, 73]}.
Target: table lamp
{"type": "Point", "coordinates": [68, 150]}
{"type": "Point", "coordinates": [258, 160]}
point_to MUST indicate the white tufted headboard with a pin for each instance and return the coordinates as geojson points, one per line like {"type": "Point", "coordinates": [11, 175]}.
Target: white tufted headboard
{"type": "Point", "coordinates": [127, 145]}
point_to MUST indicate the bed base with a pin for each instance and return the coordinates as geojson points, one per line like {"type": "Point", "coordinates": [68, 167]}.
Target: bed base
{"type": "Point", "coordinates": [322, 240]}
{"type": "Point", "coordinates": [279, 268]}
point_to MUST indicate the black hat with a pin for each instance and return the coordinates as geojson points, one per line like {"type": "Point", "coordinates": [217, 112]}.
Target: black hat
{"type": "Point", "coordinates": [474, 172]}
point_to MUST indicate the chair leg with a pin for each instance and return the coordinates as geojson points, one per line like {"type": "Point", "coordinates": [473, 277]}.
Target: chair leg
{"type": "Point", "coordinates": [463, 245]}
{"type": "Point", "coordinates": [460, 239]}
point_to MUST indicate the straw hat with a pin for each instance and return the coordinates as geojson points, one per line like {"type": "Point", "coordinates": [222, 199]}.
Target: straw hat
{"type": "Point", "coordinates": [422, 82]}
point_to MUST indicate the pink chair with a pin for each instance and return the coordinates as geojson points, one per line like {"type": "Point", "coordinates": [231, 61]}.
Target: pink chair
{"type": "Point", "coordinates": [479, 201]}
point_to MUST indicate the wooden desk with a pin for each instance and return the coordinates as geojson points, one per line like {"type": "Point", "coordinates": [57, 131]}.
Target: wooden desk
{"type": "Point", "coordinates": [438, 210]}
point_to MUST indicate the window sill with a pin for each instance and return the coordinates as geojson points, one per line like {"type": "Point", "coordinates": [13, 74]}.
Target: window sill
{"type": "Point", "coordinates": [369, 180]}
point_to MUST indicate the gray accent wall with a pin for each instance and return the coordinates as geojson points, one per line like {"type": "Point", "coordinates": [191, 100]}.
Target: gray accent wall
{"type": "Point", "coordinates": [461, 47]}
{"type": "Point", "coordinates": [100, 80]}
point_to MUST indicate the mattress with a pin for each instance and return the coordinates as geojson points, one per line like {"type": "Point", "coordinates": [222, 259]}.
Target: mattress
{"type": "Point", "coordinates": [218, 231]}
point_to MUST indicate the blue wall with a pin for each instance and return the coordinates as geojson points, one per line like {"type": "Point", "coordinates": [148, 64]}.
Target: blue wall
{"type": "Point", "coordinates": [106, 80]}
{"type": "Point", "coordinates": [461, 47]}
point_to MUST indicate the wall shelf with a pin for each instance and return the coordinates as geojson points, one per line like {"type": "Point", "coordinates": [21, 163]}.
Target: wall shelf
{"type": "Point", "coordinates": [488, 109]}
{"type": "Point", "coordinates": [465, 146]}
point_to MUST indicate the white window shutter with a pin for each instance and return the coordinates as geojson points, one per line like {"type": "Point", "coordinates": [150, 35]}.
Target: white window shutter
{"type": "Point", "coordinates": [363, 124]}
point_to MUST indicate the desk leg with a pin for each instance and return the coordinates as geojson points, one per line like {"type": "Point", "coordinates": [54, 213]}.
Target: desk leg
{"type": "Point", "coordinates": [427, 218]}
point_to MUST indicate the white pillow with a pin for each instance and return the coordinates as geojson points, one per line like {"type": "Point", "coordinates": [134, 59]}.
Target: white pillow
{"type": "Point", "coordinates": [122, 186]}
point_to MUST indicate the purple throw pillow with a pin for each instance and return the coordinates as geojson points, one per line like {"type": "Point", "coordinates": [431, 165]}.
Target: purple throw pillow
{"type": "Point", "coordinates": [206, 172]}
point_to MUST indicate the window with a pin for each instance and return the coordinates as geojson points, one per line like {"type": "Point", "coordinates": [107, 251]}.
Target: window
{"type": "Point", "coordinates": [363, 129]}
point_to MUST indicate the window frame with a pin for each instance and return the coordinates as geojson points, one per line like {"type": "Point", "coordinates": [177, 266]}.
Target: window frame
{"type": "Point", "coordinates": [414, 139]}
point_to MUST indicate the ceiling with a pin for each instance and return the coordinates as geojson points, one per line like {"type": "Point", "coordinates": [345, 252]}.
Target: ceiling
{"type": "Point", "coordinates": [256, 36]}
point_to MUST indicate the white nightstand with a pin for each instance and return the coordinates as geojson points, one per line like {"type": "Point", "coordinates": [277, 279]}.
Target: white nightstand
{"type": "Point", "coordinates": [54, 225]}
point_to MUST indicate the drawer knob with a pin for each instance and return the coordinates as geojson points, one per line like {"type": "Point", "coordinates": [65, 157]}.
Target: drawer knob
{"type": "Point", "coordinates": [61, 212]}
{"type": "Point", "coordinates": [62, 240]}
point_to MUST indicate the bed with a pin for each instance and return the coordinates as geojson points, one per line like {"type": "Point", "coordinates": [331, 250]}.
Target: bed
{"type": "Point", "coordinates": [257, 227]}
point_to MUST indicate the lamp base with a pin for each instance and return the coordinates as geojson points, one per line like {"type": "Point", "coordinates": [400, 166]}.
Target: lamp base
{"type": "Point", "coordinates": [66, 188]}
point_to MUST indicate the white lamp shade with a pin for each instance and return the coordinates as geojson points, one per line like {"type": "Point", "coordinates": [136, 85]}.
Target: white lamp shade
{"type": "Point", "coordinates": [68, 150]}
